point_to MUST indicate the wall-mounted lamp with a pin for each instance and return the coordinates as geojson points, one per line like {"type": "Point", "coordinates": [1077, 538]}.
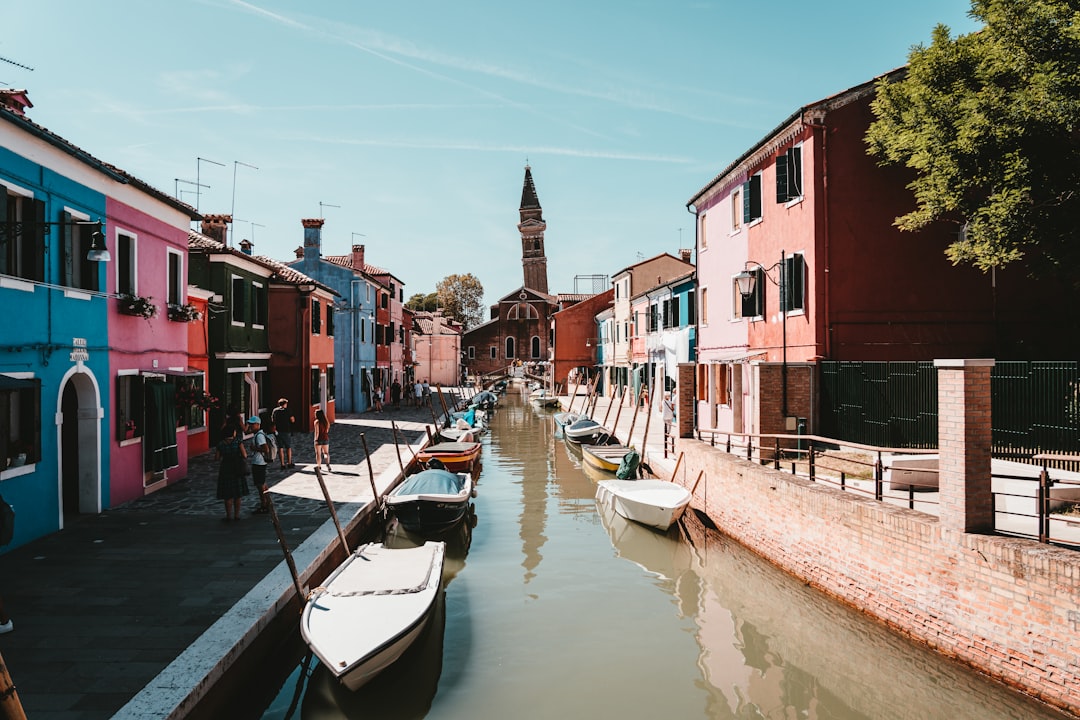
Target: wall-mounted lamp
{"type": "Point", "coordinates": [98, 251]}
{"type": "Point", "coordinates": [746, 281]}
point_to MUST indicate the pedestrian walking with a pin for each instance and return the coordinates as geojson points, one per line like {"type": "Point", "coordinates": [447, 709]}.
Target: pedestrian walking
{"type": "Point", "coordinates": [260, 460]}
{"type": "Point", "coordinates": [426, 392]}
{"type": "Point", "coordinates": [322, 439]}
{"type": "Point", "coordinates": [285, 423]}
{"type": "Point", "coordinates": [376, 398]}
{"type": "Point", "coordinates": [418, 392]}
{"type": "Point", "coordinates": [669, 412]}
{"type": "Point", "coordinates": [395, 394]}
{"type": "Point", "coordinates": [232, 471]}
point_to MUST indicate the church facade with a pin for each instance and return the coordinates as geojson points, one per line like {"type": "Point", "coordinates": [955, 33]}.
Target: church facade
{"type": "Point", "coordinates": [518, 330]}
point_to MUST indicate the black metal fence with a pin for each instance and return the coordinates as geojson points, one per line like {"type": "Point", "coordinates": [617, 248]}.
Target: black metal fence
{"type": "Point", "coordinates": [1035, 405]}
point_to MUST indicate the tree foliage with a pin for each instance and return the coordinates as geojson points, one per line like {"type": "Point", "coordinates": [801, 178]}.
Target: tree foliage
{"type": "Point", "coordinates": [990, 123]}
{"type": "Point", "coordinates": [461, 297]}
{"type": "Point", "coordinates": [420, 301]}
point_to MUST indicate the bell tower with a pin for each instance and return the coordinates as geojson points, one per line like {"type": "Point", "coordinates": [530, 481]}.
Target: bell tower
{"type": "Point", "coordinates": [532, 227]}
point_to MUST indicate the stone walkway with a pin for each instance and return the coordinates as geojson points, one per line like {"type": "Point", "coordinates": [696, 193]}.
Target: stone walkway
{"type": "Point", "coordinates": [125, 613]}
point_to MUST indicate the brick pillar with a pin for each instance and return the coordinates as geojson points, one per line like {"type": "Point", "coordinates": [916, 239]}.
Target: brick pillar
{"type": "Point", "coordinates": [685, 400]}
{"type": "Point", "coordinates": [967, 504]}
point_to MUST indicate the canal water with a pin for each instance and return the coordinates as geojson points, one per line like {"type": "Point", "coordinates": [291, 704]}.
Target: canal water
{"type": "Point", "coordinates": [554, 611]}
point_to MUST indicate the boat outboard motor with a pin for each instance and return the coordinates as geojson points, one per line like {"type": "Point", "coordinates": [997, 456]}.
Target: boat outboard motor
{"type": "Point", "coordinates": [436, 464]}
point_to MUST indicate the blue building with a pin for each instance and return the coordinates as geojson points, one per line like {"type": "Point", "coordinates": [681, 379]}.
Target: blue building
{"type": "Point", "coordinates": [355, 326]}
{"type": "Point", "coordinates": [55, 403]}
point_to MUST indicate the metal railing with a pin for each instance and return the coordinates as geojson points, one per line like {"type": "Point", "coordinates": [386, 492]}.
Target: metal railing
{"type": "Point", "coordinates": [1037, 502]}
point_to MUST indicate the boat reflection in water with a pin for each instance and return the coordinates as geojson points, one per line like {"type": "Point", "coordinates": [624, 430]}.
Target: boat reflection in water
{"type": "Point", "coordinates": [406, 688]}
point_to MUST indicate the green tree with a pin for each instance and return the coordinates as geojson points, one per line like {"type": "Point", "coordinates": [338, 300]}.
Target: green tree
{"type": "Point", "coordinates": [461, 297]}
{"type": "Point", "coordinates": [990, 123]}
{"type": "Point", "coordinates": [420, 301]}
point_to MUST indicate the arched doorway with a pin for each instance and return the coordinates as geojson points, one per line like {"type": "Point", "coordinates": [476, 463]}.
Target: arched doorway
{"type": "Point", "coordinates": [79, 441]}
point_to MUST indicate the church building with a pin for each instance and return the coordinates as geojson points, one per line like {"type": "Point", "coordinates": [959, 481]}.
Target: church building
{"type": "Point", "coordinates": [519, 328]}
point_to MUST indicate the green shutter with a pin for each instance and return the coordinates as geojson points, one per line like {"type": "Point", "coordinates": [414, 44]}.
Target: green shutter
{"type": "Point", "coordinates": [782, 178]}
{"type": "Point", "coordinates": [35, 258]}
{"type": "Point", "coordinates": [754, 197]}
{"type": "Point", "coordinates": [795, 172]}
{"type": "Point", "coordinates": [746, 216]}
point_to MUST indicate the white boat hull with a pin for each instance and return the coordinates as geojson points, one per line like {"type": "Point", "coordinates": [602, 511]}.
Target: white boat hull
{"type": "Point", "coordinates": [372, 608]}
{"type": "Point", "coordinates": [656, 503]}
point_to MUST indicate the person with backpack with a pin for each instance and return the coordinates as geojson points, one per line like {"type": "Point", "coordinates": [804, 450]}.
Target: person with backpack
{"type": "Point", "coordinates": [260, 459]}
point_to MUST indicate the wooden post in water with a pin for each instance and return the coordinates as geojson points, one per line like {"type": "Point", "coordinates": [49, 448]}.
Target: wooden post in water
{"type": "Point", "coordinates": [10, 706]}
{"type": "Point", "coordinates": [370, 471]}
{"type": "Point", "coordinates": [615, 428]}
{"type": "Point", "coordinates": [397, 448]}
{"type": "Point", "coordinates": [301, 592]}
{"type": "Point", "coordinates": [331, 508]}
{"type": "Point", "coordinates": [675, 472]}
{"type": "Point", "coordinates": [442, 401]}
{"type": "Point", "coordinates": [633, 420]}
{"type": "Point", "coordinates": [393, 426]}
{"type": "Point", "coordinates": [648, 419]}
{"type": "Point", "coordinates": [574, 397]}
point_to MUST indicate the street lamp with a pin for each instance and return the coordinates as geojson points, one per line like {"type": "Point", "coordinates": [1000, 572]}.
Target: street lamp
{"type": "Point", "coordinates": [747, 283]}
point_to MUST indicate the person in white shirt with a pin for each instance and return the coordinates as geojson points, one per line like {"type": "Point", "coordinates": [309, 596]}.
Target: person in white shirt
{"type": "Point", "coordinates": [669, 412]}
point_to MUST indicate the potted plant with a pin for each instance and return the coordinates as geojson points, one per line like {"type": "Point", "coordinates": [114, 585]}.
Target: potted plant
{"type": "Point", "coordinates": [184, 313]}
{"type": "Point", "coordinates": [139, 306]}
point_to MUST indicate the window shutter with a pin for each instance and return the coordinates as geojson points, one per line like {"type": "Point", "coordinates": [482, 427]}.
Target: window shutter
{"type": "Point", "coordinates": [755, 197]}
{"type": "Point", "coordinates": [795, 172]}
{"type": "Point", "coordinates": [35, 258]}
{"type": "Point", "coordinates": [782, 178]}
{"type": "Point", "coordinates": [746, 205]}
{"type": "Point", "coordinates": [8, 238]}
{"type": "Point", "coordinates": [67, 232]}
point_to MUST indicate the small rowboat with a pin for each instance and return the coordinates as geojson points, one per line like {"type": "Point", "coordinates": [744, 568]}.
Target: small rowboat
{"type": "Point", "coordinates": [605, 457]}
{"type": "Point", "coordinates": [372, 608]}
{"type": "Point", "coordinates": [586, 431]}
{"type": "Point", "coordinates": [431, 501]}
{"type": "Point", "coordinates": [455, 456]}
{"type": "Point", "coordinates": [656, 503]}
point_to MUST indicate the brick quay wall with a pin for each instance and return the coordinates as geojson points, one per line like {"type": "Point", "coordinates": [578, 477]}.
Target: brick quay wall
{"type": "Point", "coordinates": [1007, 607]}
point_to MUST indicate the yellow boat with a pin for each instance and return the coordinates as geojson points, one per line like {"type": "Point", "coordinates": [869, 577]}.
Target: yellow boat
{"type": "Point", "coordinates": [605, 457]}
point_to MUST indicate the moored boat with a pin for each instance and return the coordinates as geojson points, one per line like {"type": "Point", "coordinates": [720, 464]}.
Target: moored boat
{"type": "Point", "coordinates": [586, 431]}
{"type": "Point", "coordinates": [372, 608]}
{"type": "Point", "coordinates": [431, 501]}
{"type": "Point", "coordinates": [655, 503]}
{"type": "Point", "coordinates": [605, 457]}
{"type": "Point", "coordinates": [455, 456]}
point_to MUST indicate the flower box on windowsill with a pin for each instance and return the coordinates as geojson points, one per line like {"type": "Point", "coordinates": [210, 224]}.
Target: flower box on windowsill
{"type": "Point", "coordinates": [138, 306]}
{"type": "Point", "coordinates": [184, 313]}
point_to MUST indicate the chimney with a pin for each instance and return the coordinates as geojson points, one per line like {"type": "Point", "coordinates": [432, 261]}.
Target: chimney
{"type": "Point", "coordinates": [299, 252]}
{"type": "Point", "coordinates": [312, 244]}
{"type": "Point", "coordinates": [246, 245]}
{"type": "Point", "coordinates": [686, 254]}
{"type": "Point", "coordinates": [216, 227]}
{"type": "Point", "coordinates": [358, 258]}
{"type": "Point", "coordinates": [16, 101]}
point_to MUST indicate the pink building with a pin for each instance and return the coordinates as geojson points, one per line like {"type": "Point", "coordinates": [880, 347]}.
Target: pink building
{"type": "Point", "coordinates": [436, 348]}
{"type": "Point", "coordinates": [807, 217]}
{"type": "Point", "coordinates": [148, 340]}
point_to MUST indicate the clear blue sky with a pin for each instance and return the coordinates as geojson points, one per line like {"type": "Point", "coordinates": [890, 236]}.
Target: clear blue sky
{"type": "Point", "coordinates": [417, 118]}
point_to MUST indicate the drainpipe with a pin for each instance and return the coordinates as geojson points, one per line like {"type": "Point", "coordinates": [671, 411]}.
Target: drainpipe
{"type": "Point", "coordinates": [697, 317]}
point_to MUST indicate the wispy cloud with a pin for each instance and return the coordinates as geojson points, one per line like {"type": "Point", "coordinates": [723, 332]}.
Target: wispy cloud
{"type": "Point", "coordinates": [481, 147]}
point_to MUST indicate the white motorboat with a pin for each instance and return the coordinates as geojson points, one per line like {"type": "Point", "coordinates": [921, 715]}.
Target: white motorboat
{"type": "Point", "coordinates": [656, 503]}
{"type": "Point", "coordinates": [372, 608]}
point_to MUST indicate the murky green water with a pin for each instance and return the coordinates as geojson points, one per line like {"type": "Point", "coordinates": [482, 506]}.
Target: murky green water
{"type": "Point", "coordinates": [553, 611]}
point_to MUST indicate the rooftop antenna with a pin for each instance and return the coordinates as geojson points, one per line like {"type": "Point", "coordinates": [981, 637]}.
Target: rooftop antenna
{"type": "Point", "coordinates": [233, 208]}
{"type": "Point", "coordinates": [360, 234]}
{"type": "Point", "coordinates": [176, 187]}
{"type": "Point", "coordinates": [326, 205]}
{"type": "Point", "coordinates": [12, 62]}
{"type": "Point", "coordinates": [253, 226]}
{"type": "Point", "coordinates": [198, 167]}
